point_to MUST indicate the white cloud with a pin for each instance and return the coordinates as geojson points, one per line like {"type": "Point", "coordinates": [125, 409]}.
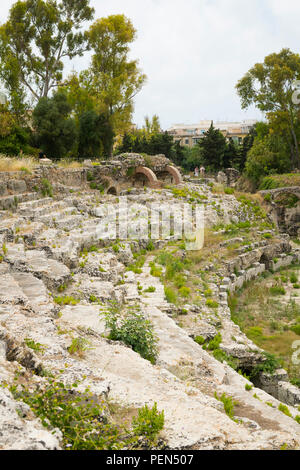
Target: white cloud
{"type": "Point", "coordinates": [195, 51]}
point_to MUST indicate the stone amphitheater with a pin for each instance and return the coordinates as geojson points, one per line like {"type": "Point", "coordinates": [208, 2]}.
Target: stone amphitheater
{"type": "Point", "coordinates": [48, 219]}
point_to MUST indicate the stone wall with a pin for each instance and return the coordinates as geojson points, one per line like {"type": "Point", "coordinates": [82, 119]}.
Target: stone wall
{"type": "Point", "coordinates": [284, 211]}
{"type": "Point", "coordinates": [121, 173]}
{"type": "Point", "coordinates": [277, 384]}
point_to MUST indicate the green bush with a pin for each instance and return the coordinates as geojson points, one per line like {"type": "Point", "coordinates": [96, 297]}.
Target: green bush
{"type": "Point", "coordinates": [294, 278]}
{"type": "Point", "coordinates": [255, 333]}
{"type": "Point", "coordinates": [171, 295]}
{"type": "Point", "coordinates": [155, 271]}
{"type": "Point", "coordinates": [148, 423]}
{"type": "Point", "coordinates": [78, 346]}
{"type": "Point", "coordinates": [66, 300]}
{"type": "Point", "coordinates": [150, 289]}
{"type": "Point", "coordinates": [78, 415]}
{"type": "Point", "coordinates": [185, 292]}
{"type": "Point", "coordinates": [269, 366]}
{"type": "Point", "coordinates": [46, 188]}
{"type": "Point", "coordinates": [268, 197]}
{"type": "Point", "coordinates": [38, 347]}
{"type": "Point", "coordinates": [199, 340]}
{"type": "Point", "coordinates": [296, 329]}
{"type": "Point", "coordinates": [223, 356]}
{"type": "Point", "coordinates": [228, 403]}
{"type": "Point", "coordinates": [277, 290]}
{"type": "Point", "coordinates": [90, 176]}
{"type": "Point", "coordinates": [229, 190]}
{"type": "Point", "coordinates": [134, 330]}
{"type": "Point", "coordinates": [264, 158]}
{"type": "Point", "coordinates": [212, 303]}
{"type": "Point", "coordinates": [215, 342]}
{"type": "Point", "coordinates": [284, 409]}
{"type": "Point", "coordinates": [175, 267]}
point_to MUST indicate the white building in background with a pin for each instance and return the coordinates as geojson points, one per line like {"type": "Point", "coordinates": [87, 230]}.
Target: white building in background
{"type": "Point", "coordinates": [189, 135]}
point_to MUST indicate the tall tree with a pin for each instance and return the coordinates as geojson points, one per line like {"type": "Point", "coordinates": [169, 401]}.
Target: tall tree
{"type": "Point", "coordinates": [266, 156]}
{"type": "Point", "coordinates": [230, 154]}
{"type": "Point", "coordinates": [95, 135]}
{"type": "Point", "coordinates": [213, 146]}
{"type": "Point", "coordinates": [270, 87]}
{"type": "Point", "coordinates": [245, 147]}
{"type": "Point", "coordinates": [78, 96]}
{"type": "Point", "coordinates": [56, 131]}
{"type": "Point", "coordinates": [112, 77]}
{"type": "Point", "coordinates": [35, 40]}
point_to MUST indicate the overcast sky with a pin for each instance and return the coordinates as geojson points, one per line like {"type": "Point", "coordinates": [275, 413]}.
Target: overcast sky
{"type": "Point", "coordinates": [195, 51]}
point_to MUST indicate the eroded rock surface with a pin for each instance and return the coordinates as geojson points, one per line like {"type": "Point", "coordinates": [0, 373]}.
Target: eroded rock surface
{"type": "Point", "coordinates": [54, 251]}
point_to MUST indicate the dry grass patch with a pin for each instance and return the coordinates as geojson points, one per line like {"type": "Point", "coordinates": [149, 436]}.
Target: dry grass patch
{"type": "Point", "coordinates": [26, 163]}
{"type": "Point", "coordinates": [69, 164]}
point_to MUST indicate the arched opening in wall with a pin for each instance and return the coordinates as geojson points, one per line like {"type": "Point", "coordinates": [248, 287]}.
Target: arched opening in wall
{"type": "Point", "coordinates": [143, 176]}
{"type": "Point", "coordinates": [165, 177]}
{"type": "Point", "coordinates": [175, 174]}
{"type": "Point", "coordinates": [265, 260]}
{"type": "Point", "coordinates": [140, 181]}
{"type": "Point", "coordinates": [112, 190]}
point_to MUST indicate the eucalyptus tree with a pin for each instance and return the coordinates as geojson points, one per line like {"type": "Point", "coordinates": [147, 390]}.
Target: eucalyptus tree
{"type": "Point", "coordinates": [34, 42]}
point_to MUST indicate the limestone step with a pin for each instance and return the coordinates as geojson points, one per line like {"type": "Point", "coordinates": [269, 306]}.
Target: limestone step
{"type": "Point", "coordinates": [10, 291]}
{"type": "Point", "coordinates": [13, 201]}
{"type": "Point", "coordinates": [51, 219]}
{"type": "Point", "coordinates": [33, 204]}
{"type": "Point", "coordinates": [42, 207]}
{"type": "Point", "coordinates": [70, 222]}
{"type": "Point", "coordinates": [52, 272]}
{"type": "Point", "coordinates": [35, 291]}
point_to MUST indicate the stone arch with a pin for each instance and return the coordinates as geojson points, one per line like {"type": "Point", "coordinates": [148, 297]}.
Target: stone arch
{"type": "Point", "coordinates": [175, 174]}
{"type": "Point", "coordinates": [149, 175]}
{"type": "Point", "coordinates": [112, 190]}
{"type": "Point", "coordinates": [107, 181]}
{"type": "Point", "coordinates": [165, 177]}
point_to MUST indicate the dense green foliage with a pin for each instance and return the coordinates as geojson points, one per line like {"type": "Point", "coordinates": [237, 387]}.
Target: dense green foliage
{"type": "Point", "coordinates": [270, 86]}
{"type": "Point", "coordinates": [95, 135]}
{"type": "Point", "coordinates": [83, 419]}
{"type": "Point", "coordinates": [134, 330]}
{"type": "Point", "coordinates": [56, 131]}
{"type": "Point", "coordinates": [36, 38]}
{"type": "Point", "coordinates": [149, 422]}
{"type": "Point", "coordinates": [213, 151]}
{"type": "Point", "coordinates": [93, 106]}
{"type": "Point", "coordinates": [213, 147]}
{"type": "Point", "coordinates": [267, 156]}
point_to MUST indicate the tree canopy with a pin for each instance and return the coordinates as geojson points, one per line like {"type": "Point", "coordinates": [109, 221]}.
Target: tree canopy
{"type": "Point", "coordinates": [95, 135]}
{"type": "Point", "coordinates": [56, 131]}
{"type": "Point", "coordinates": [270, 86]}
{"type": "Point", "coordinates": [34, 41]}
{"type": "Point", "coordinates": [112, 78]}
{"type": "Point", "coordinates": [213, 147]}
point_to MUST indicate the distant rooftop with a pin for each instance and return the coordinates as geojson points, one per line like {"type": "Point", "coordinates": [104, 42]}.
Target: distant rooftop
{"type": "Point", "coordinates": [224, 125]}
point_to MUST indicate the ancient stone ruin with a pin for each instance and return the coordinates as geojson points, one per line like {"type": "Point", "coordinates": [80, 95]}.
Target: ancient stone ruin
{"type": "Point", "coordinates": [59, 278]}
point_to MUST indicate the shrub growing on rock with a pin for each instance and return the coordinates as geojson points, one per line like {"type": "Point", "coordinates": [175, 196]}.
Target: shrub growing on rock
{"type": "Point", "coordinates": [149, 422]}
{"type": "Point", "coordinates": [134, 330]}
